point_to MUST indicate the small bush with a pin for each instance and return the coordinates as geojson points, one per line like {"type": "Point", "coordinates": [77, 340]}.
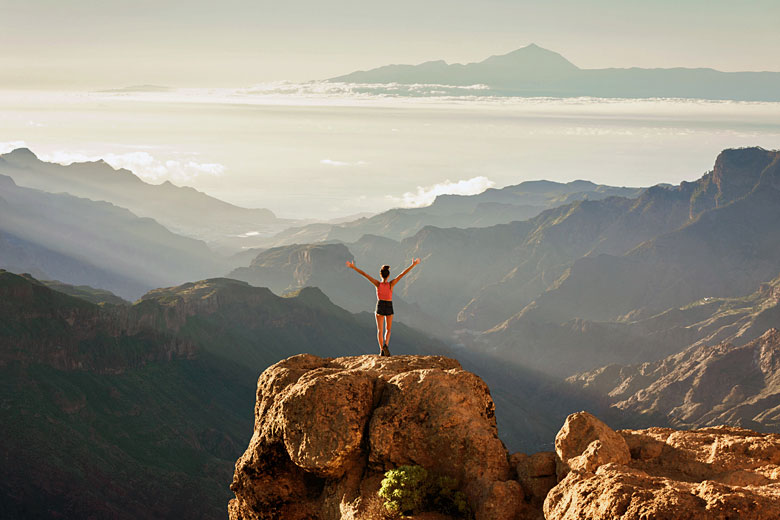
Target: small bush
{"type": "Point", "coordinates": [412, 489]}
{"type": "Point", "coordinates": [405, 489]}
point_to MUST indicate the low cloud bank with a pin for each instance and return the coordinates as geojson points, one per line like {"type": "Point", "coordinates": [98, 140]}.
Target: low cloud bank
{"type": "Point", "coordinates": [8, 146]}
{"type": "Point", "coordinates": [331, 162]}
{"type": "Point", "coordinates": [144, 165]}
{"type": "Point", "coordinates": [425, 195]}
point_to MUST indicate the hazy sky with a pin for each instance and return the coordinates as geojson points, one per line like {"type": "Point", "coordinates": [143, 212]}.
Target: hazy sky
{"type": "Point", "coordinates": [112, 43]}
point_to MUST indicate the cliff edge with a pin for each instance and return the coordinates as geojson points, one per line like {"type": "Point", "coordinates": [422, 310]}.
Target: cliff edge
{"type": "Point", "coordinates": [326, 431]}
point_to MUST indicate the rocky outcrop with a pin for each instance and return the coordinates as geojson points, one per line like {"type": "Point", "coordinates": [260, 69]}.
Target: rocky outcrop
{"type": "Point", "coordinates": [326, 430]}
{"type": "Point", "coordinates": [585, 443]}
{"type": "Point", "coordinates": [660, 473]}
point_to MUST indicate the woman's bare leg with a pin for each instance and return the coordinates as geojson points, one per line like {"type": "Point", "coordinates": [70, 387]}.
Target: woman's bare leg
{"type": "Point", "coordinates": [388, 327]}
{"type": "Point", "coordinates": [379, 320]}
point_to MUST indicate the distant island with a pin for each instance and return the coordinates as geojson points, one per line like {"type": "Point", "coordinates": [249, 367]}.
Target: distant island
{"type": "Point", "coordinates": [534, 71]}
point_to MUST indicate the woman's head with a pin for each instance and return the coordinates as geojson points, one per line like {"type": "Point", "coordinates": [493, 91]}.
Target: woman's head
{"type": "Point", "coordinates": [384, 272]}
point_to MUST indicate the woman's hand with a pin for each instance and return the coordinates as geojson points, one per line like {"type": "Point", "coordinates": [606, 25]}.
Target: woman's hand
{"type": "Point", "coordinates": [351, 264]}
{"type": "Point", "coordinates": [416, 261]}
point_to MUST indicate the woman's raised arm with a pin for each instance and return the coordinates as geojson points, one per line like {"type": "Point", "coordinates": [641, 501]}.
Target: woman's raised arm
{"type": "Point", "coordinates": [405, 272]}
{"type": "Point", "coordinates": [369, 278]}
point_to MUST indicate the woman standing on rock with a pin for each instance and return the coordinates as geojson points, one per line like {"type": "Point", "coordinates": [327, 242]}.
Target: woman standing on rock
{"type": "Point", "coordinates": [384, 303]}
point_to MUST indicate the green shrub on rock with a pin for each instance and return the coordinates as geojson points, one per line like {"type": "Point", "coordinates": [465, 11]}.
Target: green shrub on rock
{"type": "Point", "coordinates": [412, 489]}
{"type": "Point", "coordinates": [405, 489]}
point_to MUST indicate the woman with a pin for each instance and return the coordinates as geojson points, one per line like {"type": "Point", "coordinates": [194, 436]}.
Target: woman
{"type": "Point", "coordinates": [384, 303]}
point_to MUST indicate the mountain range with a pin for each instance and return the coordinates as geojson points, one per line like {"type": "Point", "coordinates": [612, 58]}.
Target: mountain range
{"type": "Point", "coordinates": [710, 239]}
{"type": "Point", "coordinates": [181, 209]}
{"type": "Point", "coordinates": [582, 284]}
{"type": "Point", "coordinates": [643, 305]}
{"type": "Point", "coordinates": [492, 206]}
{"type": "Point", "coordinates": [84, 242]}
{"type": "Point", "coordinates": [533, 71]}
{"type": "Point", "coordinates": [89, 224]}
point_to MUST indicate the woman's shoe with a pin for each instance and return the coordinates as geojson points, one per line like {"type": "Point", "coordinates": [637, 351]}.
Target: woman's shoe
{"type": "Point", "coordinates": [385, 350]}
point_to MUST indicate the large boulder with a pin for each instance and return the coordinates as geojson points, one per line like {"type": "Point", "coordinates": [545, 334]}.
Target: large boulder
{"type": "Point", "coordinates": [584, 443]}
{"type": "Point", "coordinates": [722, 472]}
{"type": "Point", "coordinates": [326, 430]}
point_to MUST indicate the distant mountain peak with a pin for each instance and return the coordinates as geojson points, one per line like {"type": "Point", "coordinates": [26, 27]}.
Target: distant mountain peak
{"type": "Point", "coordinates": [20, 154]}
{"type": "Point", "coordinates": [533, 71]}
{"type": "Point", "coordinates": [532, 49]}
{"type": "Point", "coordinates": [532, 59]}
{"type": "Point", "coordinates": [737, 170]}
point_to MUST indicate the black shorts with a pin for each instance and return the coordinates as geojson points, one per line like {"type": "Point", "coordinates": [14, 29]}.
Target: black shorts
{"type": "Point", "coordinates": [384, 307]}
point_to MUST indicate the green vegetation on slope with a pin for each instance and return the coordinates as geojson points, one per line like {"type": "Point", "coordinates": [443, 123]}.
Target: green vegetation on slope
{"type": "Point", "coordinates": [140, 411]}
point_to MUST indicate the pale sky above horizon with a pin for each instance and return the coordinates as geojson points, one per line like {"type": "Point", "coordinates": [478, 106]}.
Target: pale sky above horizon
{"type": "Point", "coordinates": [110, 44]}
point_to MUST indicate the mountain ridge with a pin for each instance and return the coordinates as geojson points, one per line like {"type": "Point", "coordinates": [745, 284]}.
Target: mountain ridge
{"type": "Point", "coordinates": [491, 207]}
{"type": "Point", "coordinates": [704, 385]}
{"type": "Point", "coordinates": [534, 71]}
{"type": "Point", "coordinates": [86, 242]}
{"type": "Point", "coordinates": [157, 391]}
{"type": "Point", "coordinates": [179, 208]}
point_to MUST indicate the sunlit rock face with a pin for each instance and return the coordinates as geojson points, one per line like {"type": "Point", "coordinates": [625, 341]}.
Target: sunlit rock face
{"type": "Point", "coordinates": [661, 473]}
{"type": "Point", "coordinates": [326, 430]}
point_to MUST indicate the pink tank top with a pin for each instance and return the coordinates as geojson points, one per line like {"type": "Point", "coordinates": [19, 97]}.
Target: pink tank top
{"type": "Point", "coordinates": [384, 291]}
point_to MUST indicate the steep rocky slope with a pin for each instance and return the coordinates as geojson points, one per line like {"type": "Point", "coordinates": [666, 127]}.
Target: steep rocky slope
{"type": "Point", "coordinates": [727, 249]}
{"type": "Point", "coordinates": [666, 292]}
{"type": "Point", "coordinates": [635, 338]}
{"type": "Point", "coordinates": [478, 277]}
{"type": "Point", "coordinates": [702, 386]}
{"type": "Point", "coordinates": [98, 408]}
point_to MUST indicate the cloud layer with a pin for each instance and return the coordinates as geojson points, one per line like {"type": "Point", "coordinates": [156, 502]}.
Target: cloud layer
{"type": "Point", "coordinates": [425, 195]}
{"type": "Point", "coordinates": [144, 165]}
{"type": "Point", "coordinates": [331, 162]}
